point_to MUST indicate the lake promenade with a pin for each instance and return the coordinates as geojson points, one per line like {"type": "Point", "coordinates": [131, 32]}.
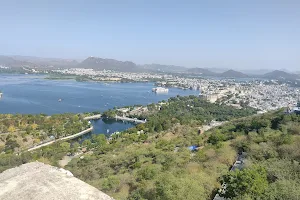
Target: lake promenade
{"type": "Point", "coordinates": [94, 117]}
{"type": "Point", "coordinates": [61, 139]}
{"type": "Point", "coordinates": [130, 119]}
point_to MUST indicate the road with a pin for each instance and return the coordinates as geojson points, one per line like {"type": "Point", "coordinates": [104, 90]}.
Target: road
{"type": "Point", "coordinates": [60, 139]}
{"type": "Point", "coordinates": [92, 117]}
{"type": "Point", "coordinates": [130, 119]}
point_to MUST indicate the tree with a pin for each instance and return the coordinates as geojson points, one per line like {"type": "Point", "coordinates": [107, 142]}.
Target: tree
{"type": "Point", "coordinates": [216, 137]}
{"type": "Point", "coordinates": [65, 146]}
{"type": "Point", "coordinates": [11, 129]}
{"type": "Point", "coordinates": [158, 128]}
{"type": "Point", "coordinates": [99, 139]}
{"type": "Point", "coordinates": [147, 172]}
{"type": "Point", "coordinates": [250, 181]}
{"type": "Point", "coordinates": [11, 145]}
{"type": "Point", "coordinates": [169, 187]}
{"type": "Point", "coordinates": [34, 126]}
{"type": "Point", "coordinates": [111, 183]}
{"type": "Point", "coordinates": [87, 143]}
{"type": "Point", "coordinates": [75, 147]}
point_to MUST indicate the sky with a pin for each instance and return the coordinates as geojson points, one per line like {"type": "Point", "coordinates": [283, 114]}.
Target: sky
{"type": "Point", "coordinates": [256, 34]}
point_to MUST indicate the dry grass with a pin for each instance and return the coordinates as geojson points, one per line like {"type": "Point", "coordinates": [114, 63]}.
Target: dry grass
{"type": "Point", "coordinates": [193, 168]}
{"type": "Point", "coordinates": [123, 192]}
{"type": "Point", "coordinates": [169, 136]}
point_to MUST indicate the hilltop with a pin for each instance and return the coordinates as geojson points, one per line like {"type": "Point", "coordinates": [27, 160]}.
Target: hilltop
{"type": "Point", "coordinates": [17, 61]}
{"type": "Point", "coordinates": [277, 74]}
{"type": "Point", "coordinates": [233, 74]}
{"type": "Point", "coordinates": [202, 71]}
{"type": "Point", "coordinates": [47, 62]}
{"type": "Point", "coordinates": [35, 181]}
{"type": "Point", "coordinates": [11, 62]}
{"type": "Point", "coordinates": [108, 64]}
{"type": "Point", "coordinates": [163, 68]}
{"type": "Point", "coordinates": [228, 74]}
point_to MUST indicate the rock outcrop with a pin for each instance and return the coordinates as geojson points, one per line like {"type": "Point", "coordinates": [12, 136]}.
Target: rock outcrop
{"type": "Point", "coordinates": [35, 181]}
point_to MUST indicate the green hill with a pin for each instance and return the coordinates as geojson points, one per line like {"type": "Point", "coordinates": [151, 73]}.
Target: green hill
{"type": "Point", "coordinates": [170, 157]}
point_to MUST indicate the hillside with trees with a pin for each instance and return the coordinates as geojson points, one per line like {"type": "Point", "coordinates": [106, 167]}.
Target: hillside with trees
{"type": "Point", "coordinates": [170, 158]}
{"type": "Point", "coordinates": [272, 169]}
{"type": "Point", "coordinates": [160, 165]}
{"type": "Point", "coordinates": [20, 131]}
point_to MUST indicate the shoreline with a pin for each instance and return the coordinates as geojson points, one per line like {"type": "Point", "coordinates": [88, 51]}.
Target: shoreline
{"type": "Point", "coordinates": [61, 139]}
{"type": "Point", "coordinates": [76, 97]}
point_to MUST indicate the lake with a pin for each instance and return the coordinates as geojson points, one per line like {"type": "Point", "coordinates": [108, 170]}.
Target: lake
{"type": "Point", "coordinates": [107, 127]}
{"type": "Point", "coordinates": [33, 94]}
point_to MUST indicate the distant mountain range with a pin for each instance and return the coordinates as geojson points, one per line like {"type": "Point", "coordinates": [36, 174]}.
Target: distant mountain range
{"type": "Point", "coordinates": [44, 62]}
{"type": "Point", "coordinates": [30, 61]}
{"type": "Point", "coordinates": [11, 62]}
{"type": "Point", "coordinates": [233, 74]}
{"type": "Point", "coordinates": [277, 74]}
{"type": "Point", "coordinates": [202, 71]}
{"type": "Point", "coordinates": [108, 64]}
{"type": "Point", "coordinates": [128, 66]}
{"type": "Point", "coordinates": [162, 68]}
{"type": "Point", "coordinates": [227, 74]}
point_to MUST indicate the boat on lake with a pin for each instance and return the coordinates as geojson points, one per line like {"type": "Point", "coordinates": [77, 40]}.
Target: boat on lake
{"type": "Point", "coordinates": [160, 90]}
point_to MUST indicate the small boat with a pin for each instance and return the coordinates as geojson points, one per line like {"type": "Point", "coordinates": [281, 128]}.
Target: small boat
{"type": "Point", "coordinates": [59, 100]}
{"type": "Point", "coordinates": [160, 90]}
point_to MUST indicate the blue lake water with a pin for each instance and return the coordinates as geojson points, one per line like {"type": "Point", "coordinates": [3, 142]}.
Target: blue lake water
{"type": "Point", "coordinates": [32, 94]}
{"type": "Point", "coordinates": [107, 127]}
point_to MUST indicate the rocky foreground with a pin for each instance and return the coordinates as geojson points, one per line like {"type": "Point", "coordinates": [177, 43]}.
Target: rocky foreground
{"type": "Point", "coordinates": [35, 181]}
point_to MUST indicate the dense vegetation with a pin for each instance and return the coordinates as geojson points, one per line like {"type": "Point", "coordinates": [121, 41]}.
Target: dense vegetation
{"type": "Point", "coordinates": [160, 166]}
{"type": "Point", "coordinates": [186, 110]}
{"type": "Point", "coordinates": [272, 169]}
{"type": "Point", "coordinates": [153, 160]}
{"type": "Point", "coordinates": [154, 166]}
{"type": "Point", "coordinates": [135, 163]}
{"type": "Point", "coordinates": [49, 155]}
{"type": "Point", "coordinates": [22, 131]}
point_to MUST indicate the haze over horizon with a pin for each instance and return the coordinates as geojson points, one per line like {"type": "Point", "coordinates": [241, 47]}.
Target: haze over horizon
{"type": "Point", "coordinates": [249, 35]}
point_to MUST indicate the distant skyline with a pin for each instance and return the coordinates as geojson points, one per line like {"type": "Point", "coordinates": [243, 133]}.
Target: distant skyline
{"type": "Point", "coordinates": [257, 34]}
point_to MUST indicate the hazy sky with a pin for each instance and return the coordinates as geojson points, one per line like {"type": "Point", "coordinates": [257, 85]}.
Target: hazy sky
{"type": "Point", "coordinates": [213, 33]}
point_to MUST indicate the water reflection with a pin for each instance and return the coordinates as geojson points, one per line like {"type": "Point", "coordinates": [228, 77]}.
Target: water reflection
{"type": "Point", "coordinates": [107, 127]}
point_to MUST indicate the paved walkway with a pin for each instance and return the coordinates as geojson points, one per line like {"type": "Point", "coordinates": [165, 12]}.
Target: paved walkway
{"type": "Point", "coordinates": [93, 117]}
{"type": "Point", "coordinates": [60, 139]}
{"type": "Point", "coordinates": [130, 119]}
